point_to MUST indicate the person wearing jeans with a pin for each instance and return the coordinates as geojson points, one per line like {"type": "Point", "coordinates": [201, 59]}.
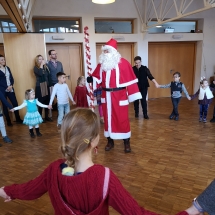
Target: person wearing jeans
{"type": "Point", "coordinates": [63, 94]}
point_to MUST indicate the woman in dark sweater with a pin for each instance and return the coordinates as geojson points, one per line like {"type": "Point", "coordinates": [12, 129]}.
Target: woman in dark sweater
{"type": "Point", "coordinates": [6, 87]}
{"type": "Point", "coordinates": [43, 82]}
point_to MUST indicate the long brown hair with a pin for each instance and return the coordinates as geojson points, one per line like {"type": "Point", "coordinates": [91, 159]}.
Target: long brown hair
{"type": "Point", "coordinates": [37, 61]}
{"type": "Point", "coordinates": [80, 126]}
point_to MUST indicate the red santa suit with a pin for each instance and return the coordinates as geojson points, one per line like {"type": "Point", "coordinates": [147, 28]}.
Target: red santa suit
{"type": "Point", "coordinates": [115, 103]}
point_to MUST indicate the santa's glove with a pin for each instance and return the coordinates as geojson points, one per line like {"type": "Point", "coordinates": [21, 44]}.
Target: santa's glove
{"type": "Point", "coordinates": [89, 79]}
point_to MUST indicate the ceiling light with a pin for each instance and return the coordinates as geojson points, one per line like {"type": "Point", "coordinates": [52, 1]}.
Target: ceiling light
{"type": "Point", "coordinates": [158, 26]}
{"type": "Point", "coordinates": [103, 1]}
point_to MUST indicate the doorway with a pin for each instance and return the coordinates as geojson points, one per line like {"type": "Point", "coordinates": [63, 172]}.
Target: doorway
{"type": "Point", "coordinates": [167, 58]}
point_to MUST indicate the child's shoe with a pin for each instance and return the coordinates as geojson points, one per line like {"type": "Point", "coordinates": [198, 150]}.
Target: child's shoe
{"type": "Point", "coordinates": [171, 116]}
{"type": "Point", "coordinates": [38, 132]}
{"type": "Point", "coordinates": [200, 119]}
{"type": "Point", "coordinates": [176, 118]}
{"type": "Point", "coordinates": [31, 132]}
{"type": "Point", "coordinates": [204, 120]}
{"type": "Point", "coordinates": [59, 127]}
{"type": "Point", "coordinates": [7, 139]}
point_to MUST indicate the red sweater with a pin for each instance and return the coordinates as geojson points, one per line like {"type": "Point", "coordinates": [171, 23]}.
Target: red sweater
{"type": "Point", "coordinates": [81, 194]}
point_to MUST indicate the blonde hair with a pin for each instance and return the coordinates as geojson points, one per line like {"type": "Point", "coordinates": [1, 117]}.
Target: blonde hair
{"type": "Point", "coordinates": [79, 80]}
{"type": "Point", "coordinates": [80, 126]}
{"type": "Point", "coordinates": [37, 61]}
{"type": "Point", "coordinates": [27, 93]}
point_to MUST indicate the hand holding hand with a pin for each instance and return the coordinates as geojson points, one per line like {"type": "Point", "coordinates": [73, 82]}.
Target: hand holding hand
{"type": "Point", "coordinates": [9, 88]}
{"type": "Point", "coordinates": [73, 102]}
{"type": "Point", "coordinates": [12, 110]}
{"type": "Point", "coordinates": [49, 106]}
{"type": "Point", "coordinates": [213, 82]}
{"type": "Point", "coordinates": [157, 85]}
{"type": "Point", "coordinates": [4, 195]}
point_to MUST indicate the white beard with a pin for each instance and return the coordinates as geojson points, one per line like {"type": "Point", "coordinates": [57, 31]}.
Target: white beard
{"type": "Point", "coordinates": [110, 60]}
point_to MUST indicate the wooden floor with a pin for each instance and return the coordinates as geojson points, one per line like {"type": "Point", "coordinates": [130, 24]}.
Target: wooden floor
{"type": "Point", "coordinates": [171, 162]}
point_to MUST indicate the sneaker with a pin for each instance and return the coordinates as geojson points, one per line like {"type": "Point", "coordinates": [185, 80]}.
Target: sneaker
{"type": "Point", "coordinates": [171, 116]}
{"type": "Point", "coordinates": [59, 127]}
{"type": "Point", "coordinates": [204, 120]}
{"type": "Point", "coordinates": [7, 139]}
{"type": "Point", "coordinates": [48, 119]}
{"type": "Point", "coordinates": [200, 119]}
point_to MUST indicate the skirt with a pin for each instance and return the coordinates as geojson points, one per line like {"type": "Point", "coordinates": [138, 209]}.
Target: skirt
{"type": "Point", "coordinates": [32, 119]}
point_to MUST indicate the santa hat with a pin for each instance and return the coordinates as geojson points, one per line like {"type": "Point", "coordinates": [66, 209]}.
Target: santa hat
{"type": "Point", "coordinates": [111, 44]}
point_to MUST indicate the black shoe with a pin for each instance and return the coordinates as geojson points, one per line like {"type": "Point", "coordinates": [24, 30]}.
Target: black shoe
{"type": "Point", "coordinates": [9, 123]}
{"type": "Point", "coordinates": [38, 132]}
{"type": "Point", "coordinates": [176, 118]}
{"type": "Point", "coordinates": [0, 144]}
{"type": "Point", "coordinates": [146, 117]}
{"type": "Point", "coordinates": [136, 115]}
{"type": "Point", "coordinates": [109, 145]}
{"type": "Point", "coordinates": [48, 119]}
{"type": "Point", "coordinates": [212, 120]}
{"type": "Point", "coordinates": [19, 121]}
{"type": "Point", "coordinates": [31, 132]}
{"type": "Point", "coordinates": [171, 116]}
{"type": "Point", "coordinates": [127, 145]}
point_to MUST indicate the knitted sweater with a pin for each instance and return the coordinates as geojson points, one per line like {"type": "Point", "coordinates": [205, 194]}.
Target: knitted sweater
{"type": "Point", "coordinates": [81, 194]}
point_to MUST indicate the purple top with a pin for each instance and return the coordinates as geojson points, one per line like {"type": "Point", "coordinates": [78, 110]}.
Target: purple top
{"type": "Point", "coordinates": [205, 101]}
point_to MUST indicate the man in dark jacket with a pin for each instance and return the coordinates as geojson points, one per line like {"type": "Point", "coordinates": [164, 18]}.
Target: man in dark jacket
{"type": "Point", "coordinates": [142, 73]}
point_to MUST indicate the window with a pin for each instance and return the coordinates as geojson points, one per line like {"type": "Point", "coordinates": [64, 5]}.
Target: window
{"type": "Point", "coordinates": [56, 26]}
{"type": "Point", "coordinates": [114, 26]}
{"type": "Point", "coordinates": [6, 25]}
{"type": "Point", "coordinates": [174, 26]}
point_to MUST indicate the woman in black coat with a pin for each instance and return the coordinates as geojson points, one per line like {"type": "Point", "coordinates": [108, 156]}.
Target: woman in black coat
{"type": "Point", "coordinates": [43, 82]}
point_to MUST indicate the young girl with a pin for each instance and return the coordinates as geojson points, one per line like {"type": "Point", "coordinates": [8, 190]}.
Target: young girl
{"type": "Point", "coordinates": [81, 93]}
{"type": "Point", "coordinates": [76, 185]}
{"type": "Point", "coordinates": [205, 98]}
{"type": "Point", "coordinates": [32, 117]}
{"type": "Point", "coordinates": [97, 95]}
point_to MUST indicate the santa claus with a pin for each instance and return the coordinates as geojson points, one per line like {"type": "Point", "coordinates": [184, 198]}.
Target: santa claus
{"type": "Point", "coordinates": [119, 87]}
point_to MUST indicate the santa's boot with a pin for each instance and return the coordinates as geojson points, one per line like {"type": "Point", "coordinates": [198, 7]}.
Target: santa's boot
{"type": "Point", "coordinates": [109, 145]}
{"type": "Point", "coordinates": [127, 145]}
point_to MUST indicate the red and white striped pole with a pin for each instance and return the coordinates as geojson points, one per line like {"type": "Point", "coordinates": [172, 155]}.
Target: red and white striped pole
{"type": "Point", "coordinates": [89, 69]}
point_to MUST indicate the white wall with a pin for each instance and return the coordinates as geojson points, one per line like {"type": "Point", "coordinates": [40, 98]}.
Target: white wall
{"type": "Point", "coordinates": [126, 9]}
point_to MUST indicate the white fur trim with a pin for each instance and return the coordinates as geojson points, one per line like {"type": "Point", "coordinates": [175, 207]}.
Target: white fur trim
{"type": "Point", "coordinates": [103, 100]}
{"type": "Point", "coordinates": [105, 47]}
{"type": "Point", "coordinates": [206, 91]}
{"type": "Point", "coordinates": [117, 136]}
{"type": "Point", "coordinates": [107, 81]}
{"type": "Point", "coordinates": [134, 97]}
{"type": "Point", "coordinates": [128, 83]}
{"type": "Point", "coordinates": [123, 103]}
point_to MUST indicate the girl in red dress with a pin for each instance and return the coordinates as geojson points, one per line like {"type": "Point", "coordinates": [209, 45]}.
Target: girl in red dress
{"type": "Point", "coordinates": [81, 93]}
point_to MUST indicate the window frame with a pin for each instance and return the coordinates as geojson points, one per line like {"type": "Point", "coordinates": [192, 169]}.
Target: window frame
{"type": "Point", "coordinates": [57, 19]}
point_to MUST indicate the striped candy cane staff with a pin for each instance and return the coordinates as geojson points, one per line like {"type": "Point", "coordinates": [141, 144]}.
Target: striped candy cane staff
{"type": "Point", "coordinates": [89, 69]}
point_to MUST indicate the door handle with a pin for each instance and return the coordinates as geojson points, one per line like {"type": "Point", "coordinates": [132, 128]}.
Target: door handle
{"type": "Point", "coordinates": [171, 70]}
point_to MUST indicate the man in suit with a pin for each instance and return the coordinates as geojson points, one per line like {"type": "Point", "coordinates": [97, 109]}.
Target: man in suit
{"type": "Point", "coordinates": [142, 73]}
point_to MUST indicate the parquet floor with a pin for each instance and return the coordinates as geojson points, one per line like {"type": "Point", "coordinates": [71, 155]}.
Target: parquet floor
{"type": "Point", "coordinates": [171, 162]}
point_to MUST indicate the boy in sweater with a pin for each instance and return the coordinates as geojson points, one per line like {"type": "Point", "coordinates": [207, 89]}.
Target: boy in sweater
{"type": "Point", "coordinates": [176, 89]}
{"type": "Point", "coordinates": [63, 94]}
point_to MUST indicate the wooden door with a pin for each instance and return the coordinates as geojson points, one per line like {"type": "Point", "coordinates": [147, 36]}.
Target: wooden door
{"type": "Point", "coordinates": [167, 58]}
{"type": "Point", "coordinates": [71, 57]}
{"type": "Point", "coordinates": [2, 49]}
{"type": "Point", "coordinates": [20, 52]}
{"type": "Point", "coordinates": [125, 49]}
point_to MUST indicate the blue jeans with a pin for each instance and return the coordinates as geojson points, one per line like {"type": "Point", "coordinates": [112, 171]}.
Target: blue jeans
{"type": "Point", "coordinates": [203, 111]}
{"type": "Point", "coordinates": [62, 111]}
{"type": "Point", "coordinates": [175, 102]}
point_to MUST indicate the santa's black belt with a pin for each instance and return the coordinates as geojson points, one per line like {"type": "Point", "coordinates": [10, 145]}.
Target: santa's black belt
{"type": "Point", "coordinates": [113, 89]}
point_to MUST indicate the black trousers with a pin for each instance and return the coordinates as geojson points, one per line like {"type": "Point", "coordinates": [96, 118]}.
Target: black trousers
{"type": "Point", "coordinates": [175, 102]}
{"type": "Point", "coordinates": [12, 97]}
{"type": "Point", "coordinates": [143, 102]}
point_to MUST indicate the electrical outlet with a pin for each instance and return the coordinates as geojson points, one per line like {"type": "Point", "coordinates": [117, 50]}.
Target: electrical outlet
{"type": "Point", "coordinates": [204, 67]}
